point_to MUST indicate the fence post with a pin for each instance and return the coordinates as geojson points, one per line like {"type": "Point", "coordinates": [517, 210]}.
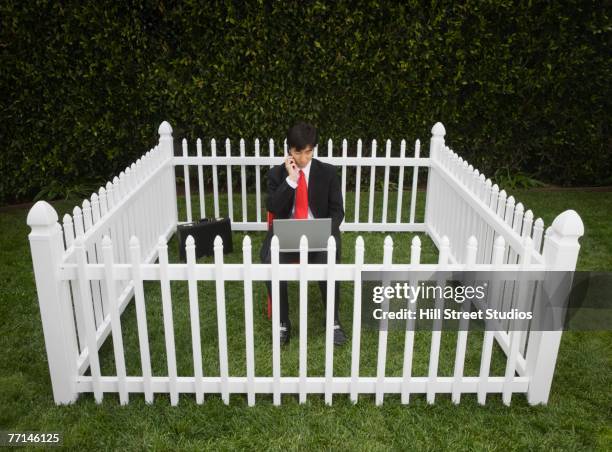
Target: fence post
{"type": "Point", "coordinates": [47, 247]}
{"type": "Point", "coordinates": [166, 144]}
{"type": "Point", "coordinates": [560, 253]}
{"type": "Point", "coordinates": [436, 145]}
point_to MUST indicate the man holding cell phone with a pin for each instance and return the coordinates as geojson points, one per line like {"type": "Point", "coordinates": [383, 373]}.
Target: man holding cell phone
{"type": "Point", "coordinates": [304, 188]}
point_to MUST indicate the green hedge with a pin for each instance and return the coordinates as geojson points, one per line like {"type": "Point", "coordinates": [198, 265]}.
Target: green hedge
{"type": "Point", "coordinates": [522, 88]}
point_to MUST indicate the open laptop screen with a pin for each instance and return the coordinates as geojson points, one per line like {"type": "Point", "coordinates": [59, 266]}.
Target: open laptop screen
{"type": "Point", "coordinates": [289, 232]}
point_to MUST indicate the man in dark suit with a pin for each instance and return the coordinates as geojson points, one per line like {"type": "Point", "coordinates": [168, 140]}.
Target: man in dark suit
{"type": "Point", "coordinates": [303, 187]}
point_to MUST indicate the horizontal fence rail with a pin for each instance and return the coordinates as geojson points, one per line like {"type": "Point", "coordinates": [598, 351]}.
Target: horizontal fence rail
{"type": "Point", "coordinates": [110, 249]}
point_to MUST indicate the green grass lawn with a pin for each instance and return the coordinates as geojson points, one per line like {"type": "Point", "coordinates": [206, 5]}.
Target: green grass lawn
{"type": "Point", "coordinates": [578, 415]}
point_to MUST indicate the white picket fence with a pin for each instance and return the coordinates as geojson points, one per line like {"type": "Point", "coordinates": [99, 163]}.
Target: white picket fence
{"type": "Point", "coordinates": [88, 270]}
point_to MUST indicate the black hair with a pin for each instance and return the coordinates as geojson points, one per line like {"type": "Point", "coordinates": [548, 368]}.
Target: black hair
{"type": "Point", "coordinates": [302, 135]}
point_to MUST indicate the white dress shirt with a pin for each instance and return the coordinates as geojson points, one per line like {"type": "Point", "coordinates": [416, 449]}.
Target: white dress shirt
{"type": "Point", "coordinates": [294, 185]}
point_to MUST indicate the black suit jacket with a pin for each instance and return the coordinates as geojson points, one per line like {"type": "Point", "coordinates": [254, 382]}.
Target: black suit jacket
{"type": "Point", "coordinates": [324, 199]}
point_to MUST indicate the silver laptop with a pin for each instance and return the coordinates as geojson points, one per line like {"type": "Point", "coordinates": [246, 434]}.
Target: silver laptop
{"type": "Point", "coordinates": [289, 232]}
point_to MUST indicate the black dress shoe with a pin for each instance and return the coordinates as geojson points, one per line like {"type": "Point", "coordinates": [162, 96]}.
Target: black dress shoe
{"type": "Point", "coordinates": [339, 336]}
{"type": "Point", "coordinates": [285, 333]}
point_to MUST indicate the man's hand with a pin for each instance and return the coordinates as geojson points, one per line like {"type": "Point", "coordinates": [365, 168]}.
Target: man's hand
{"type": "Point", "coordinates": [291, 168]}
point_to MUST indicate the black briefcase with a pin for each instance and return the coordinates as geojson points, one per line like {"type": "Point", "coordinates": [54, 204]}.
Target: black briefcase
{"type": "Point", "coordinates": [204, 233]}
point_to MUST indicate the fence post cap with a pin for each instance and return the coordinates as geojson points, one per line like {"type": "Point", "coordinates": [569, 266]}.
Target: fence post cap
{"type": "Point", "coordinates": [438, 130]}
{"type": "Point", "coordinates": [568, 224]}
{"type": "Point", "coordinates": [42, 214]}
{"type": "Point", "coordinates": [165, 128]}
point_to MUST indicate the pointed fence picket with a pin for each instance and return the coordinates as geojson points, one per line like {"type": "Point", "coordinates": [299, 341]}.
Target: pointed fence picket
{"type": "Point", "coordinates": [372, 185]}
{"type": "Point", "coordinates": [194, 315]}
{"type": "Point", "coordinates": [248, 319]}
{"type": "Point", "coordinates": [230, 197]}
{"type": "Point", "coordinates": [275, 275]}
{"type": "Point", "coordinates": [415, 260]}
{"type": "Point", "coordinates": [141, 319]}
{"type": "Point", "coordinates": [383, 328]}
{"type": "Point", "coordinates": [329, 319]}
{"type": "Point", "coordinates": [202, 195]}
{"type": "Point", "coordinates": [436, 334]}
{"type": "Point", "coordinates": [359, 254]}
{"type": "Point", "coordinates": [303, 317]}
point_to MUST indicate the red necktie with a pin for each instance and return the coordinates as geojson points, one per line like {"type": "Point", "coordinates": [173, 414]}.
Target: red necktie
{"type": "Point", "coordinates": [301, 198]}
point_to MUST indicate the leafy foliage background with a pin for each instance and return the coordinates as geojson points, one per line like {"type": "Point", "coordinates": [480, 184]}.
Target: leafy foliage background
{"type": "Point", "coordinates": [522, 87]}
